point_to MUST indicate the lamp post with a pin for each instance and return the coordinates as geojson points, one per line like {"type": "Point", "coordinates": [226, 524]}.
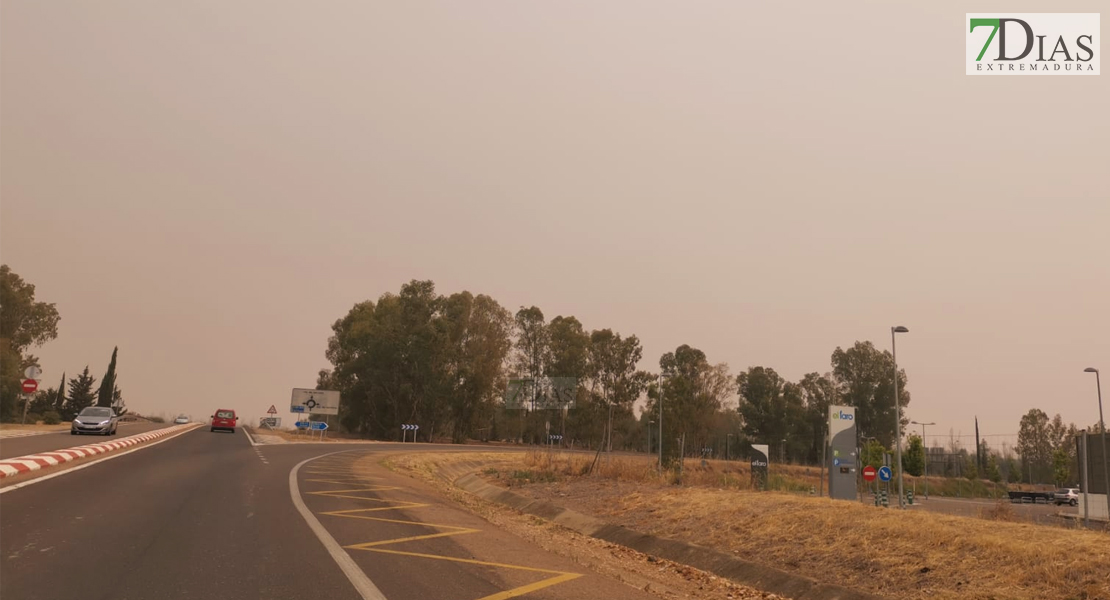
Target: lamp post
{"type": "Point", "coordinates": [1102, 426]}
{"type": "Point", "coordinates": [925, 447]}
{"type": "Point", "coordinates": [662, 378]}
{"type": "Point", "coordinates": [897, 413]}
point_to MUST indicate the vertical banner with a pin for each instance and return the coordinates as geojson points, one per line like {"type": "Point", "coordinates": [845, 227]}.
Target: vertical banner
{"type": "Point", "coordinates": [842, 452]}
{"type": "Point", "coordinates": [759, 466]}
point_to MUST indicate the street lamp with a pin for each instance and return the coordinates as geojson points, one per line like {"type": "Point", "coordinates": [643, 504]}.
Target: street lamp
{"type": "Point", "coordinates": [925, 447]}
{"type": "Point", "coordinates": [1102, 425]}
{"type": "Point", "coordinates": [662, 377]}
{"type": "Point", "coordinates": [897, 413]}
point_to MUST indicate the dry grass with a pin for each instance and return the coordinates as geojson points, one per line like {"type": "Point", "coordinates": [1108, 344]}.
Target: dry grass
{"type": "Point", "coordinates": [32, 427]}
{"type": "Point", "coordinates": [912, 554]}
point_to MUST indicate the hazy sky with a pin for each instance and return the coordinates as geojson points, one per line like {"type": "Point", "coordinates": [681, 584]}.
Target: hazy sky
{"type": "Point", "coordinates": [209, 185]}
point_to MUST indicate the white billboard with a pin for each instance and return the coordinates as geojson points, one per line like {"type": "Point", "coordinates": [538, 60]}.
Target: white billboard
{"type": "Point", "coordinates": [314, 402]}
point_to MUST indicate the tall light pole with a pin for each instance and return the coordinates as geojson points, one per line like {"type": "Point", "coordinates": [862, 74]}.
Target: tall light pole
{"type": "Point", "coordinates": [897, 415]}
{"type": "Point", "coordinates": [926, 448]}
{"type": "Point", "coordinates": [662, 378]}
{"type": "Point", "coordinates": [1102, 426]}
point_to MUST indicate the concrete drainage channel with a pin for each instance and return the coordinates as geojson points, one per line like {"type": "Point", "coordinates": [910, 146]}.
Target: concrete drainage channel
{"type": "Point", "coordinates": [768, 579]}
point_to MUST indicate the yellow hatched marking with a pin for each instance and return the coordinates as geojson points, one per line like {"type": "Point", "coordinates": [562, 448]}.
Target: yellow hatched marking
{"type": "Point", "coordinates": [345, 478]}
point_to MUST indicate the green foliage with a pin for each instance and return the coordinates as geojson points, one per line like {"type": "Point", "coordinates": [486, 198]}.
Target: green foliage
{"type": "Point", "coordinates": [157, 419]}
{"type": "Point", "coordinates": [51, 418]}
{"type": "Point", "coordinates": [418, 357]}
{"type": "Point", "coordinates": [873, 453]}
{"type": "Point", "coordinates": [24, 323]}
{"type": "Point", "coordinates": [993, 472]}
{"type": "Point", "coordinates": [694, 392]}
{"type": "Point", "coordinates": [81, 394]}
{"type": "Point", "coordinates": [33, 417]}
{"type": "Point", "coordinates": [913, 459]}
{"type": "Point", "coordinates": [1035, 446]}
{"type": "Point", "coordinates": [1061, 471]}
{"type": "Point", "coordinates": [865, 378]}
{"type": "Point", "coordinates": [108, 382]}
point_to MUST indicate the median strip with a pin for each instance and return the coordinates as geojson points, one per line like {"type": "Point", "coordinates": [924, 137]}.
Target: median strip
{"type": "Point", "coordinates": [33, 462]}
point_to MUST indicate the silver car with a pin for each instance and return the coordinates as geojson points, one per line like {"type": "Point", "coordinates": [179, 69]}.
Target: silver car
{"type": "Point", "coordinates": [100, 420]}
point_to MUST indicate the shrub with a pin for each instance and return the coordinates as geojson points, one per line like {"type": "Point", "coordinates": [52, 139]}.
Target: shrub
{"type": "Point", "coordinates": [51, 418]}
{"type": "Point", "coordinates": [33, 418]}
{"type": "Point", "coordinates": [157, 420]}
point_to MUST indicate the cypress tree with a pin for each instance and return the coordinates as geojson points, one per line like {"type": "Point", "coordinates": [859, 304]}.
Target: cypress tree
{"type": "Point", "coordinates": [108, 383]}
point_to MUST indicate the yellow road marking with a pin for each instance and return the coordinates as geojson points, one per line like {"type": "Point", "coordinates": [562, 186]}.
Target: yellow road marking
{"type": "Point", "coordinates": [346, 478]}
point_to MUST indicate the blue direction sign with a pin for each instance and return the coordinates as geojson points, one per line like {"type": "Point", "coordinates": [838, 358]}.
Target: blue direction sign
{"type": "Point", "coordinates": [303, 424]}
{"type": "Point", "coordinates": [319, 425]}
{"type": "Point", "coordinates": [885, 473]}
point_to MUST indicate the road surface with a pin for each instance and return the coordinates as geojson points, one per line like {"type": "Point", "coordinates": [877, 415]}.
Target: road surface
{"type": "Point", "coordinates": [33, 444]}
{"type": "Point", "coordinates": [207, 515]}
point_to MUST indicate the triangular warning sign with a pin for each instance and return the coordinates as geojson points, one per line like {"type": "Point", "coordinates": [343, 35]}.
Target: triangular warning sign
{"type": "Point", "coordinates": [272, 411]}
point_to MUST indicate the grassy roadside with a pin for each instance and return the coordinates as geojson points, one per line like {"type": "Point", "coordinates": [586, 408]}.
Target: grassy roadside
{"type": "Point", "coordinates": [913, 554]}
{"type": "Point", "coordinates": [33, 427]}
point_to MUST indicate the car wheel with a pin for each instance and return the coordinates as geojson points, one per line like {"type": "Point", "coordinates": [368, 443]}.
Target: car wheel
{"type": "Point", "coordinates": [72, 432]}
{"type": "Point", "coordinates": [213, 430]}
{"type": "Point", "coordinates": [1075, 502]}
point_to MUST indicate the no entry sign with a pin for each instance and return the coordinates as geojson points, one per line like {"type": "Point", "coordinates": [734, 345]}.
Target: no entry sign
{"type": "Point", "coordinates": [869, 473]}
{"type": "Point", "coordinates": [30, 386]}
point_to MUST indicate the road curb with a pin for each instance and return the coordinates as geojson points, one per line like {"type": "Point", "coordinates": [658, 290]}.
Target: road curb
{"type": "Point", "coordinates": [768, 579]}
{"type": "Point", "coordinates": [10, 467]}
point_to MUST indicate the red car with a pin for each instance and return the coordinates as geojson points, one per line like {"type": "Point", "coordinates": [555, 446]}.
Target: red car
{"type": "Point", "coordinates": [224, 419]}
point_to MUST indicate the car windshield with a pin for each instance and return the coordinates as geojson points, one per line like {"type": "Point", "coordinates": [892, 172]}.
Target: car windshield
{"type": "Point", "coordinates": [95, 412]}
{"type": "Point", "coordinates": [225, 414]}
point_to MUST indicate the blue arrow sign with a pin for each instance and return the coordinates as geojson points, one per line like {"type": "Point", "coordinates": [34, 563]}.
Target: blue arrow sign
{"type": "Point", "coordinates": [303, 424]}
{"type": "Point", "coordinates": [319, 425]}
{"type": "Point", "coordinates": [296, 409]}
{"type": "Point", "coordinates": [885, 473]}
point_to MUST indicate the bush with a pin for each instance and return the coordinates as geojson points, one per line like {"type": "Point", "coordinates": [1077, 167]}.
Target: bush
{"type": "Point", "coordinates": [51, 418]}
{"type": "Point", "coordinates": [33, 418]}
{"type": "Point", "coordinates": [157, 420]}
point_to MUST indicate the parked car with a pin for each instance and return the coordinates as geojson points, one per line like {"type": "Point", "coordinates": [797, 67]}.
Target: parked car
{"type": "Point", "coordinates": [100, 420]}
{"type": "Point", "coordinates": [181, 420]}
{"type": "Point", "coordinates": [224, 419]}
{"type": "Point", "coordinates": [1067, 496]}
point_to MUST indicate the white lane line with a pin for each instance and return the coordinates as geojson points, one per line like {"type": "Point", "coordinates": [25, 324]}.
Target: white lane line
{"type": "Point", "coordinates": [91, 463]}
{"type": "Point", "coordinates": [362, 583]}
{"type": "Point", "coordinates": [253, 443]}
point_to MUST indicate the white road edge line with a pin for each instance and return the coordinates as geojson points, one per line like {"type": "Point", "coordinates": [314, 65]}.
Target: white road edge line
{"type": "Point", "coordinates": [355, 575]}
{"type": "Point", "coordinates": [249, 437]}
{"type": "Point", "coordinates": [110, 456]}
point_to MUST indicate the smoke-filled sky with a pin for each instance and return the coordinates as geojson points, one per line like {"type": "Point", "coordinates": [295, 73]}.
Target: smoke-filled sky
{"type": "Point", "coordinates": [209, 185]}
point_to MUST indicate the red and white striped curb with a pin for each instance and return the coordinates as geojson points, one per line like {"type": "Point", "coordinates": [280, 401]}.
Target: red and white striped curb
{"type": "Point", "coordinates": [34, 462]}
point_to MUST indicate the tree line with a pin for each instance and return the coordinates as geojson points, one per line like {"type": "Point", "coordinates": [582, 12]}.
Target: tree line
{"type": "Point", "coordinates": [443, 362]}
{"type": "Point", "coordinates": [25, 324]}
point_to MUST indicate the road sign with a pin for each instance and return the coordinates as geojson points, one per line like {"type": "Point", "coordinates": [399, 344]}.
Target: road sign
{"type": "Point", "coordinates": [32, 372]}
{"type": "Point", "coordinates": [271, 422]}
{"type": "Point", "coordinates": [869, 473]}
{"type": "Point", "coordinates": [302, 424]}
{"type": "Point", "coordinates": [272, 411]}
{"type": "Point", "coordinates": [885, 473]}
{"type": "Point", "coordinates": [316, 402]}
{"type": "Point", "coordinates": [410, 427]}
{"type": "Point", "coordinates": [29, 386]}
{"type": "Point", "coordinates": [319, 425]}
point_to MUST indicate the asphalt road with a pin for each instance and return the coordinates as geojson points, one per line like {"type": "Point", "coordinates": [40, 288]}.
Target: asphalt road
{"type": "Point", "coordinates": [33, 444]}
{"type": "Point", "coordinates": [206, 515]}
{"type": "Point", "coordinates": [1044, 514]}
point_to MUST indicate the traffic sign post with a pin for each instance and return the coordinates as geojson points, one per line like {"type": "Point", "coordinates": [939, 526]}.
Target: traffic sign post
{"type": "Point", "coordinates": [272, 411]}
{"type": "Point", "coordinates": [870, 473]}
{"type": "Point", "coordinates": [885, 474]}
{"type": "Point", "coordinates": [30, 386]}
{"type": "Point", "coordinates": [316, 402]}
{"type": "Point", "coordinates": [404, 432]}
